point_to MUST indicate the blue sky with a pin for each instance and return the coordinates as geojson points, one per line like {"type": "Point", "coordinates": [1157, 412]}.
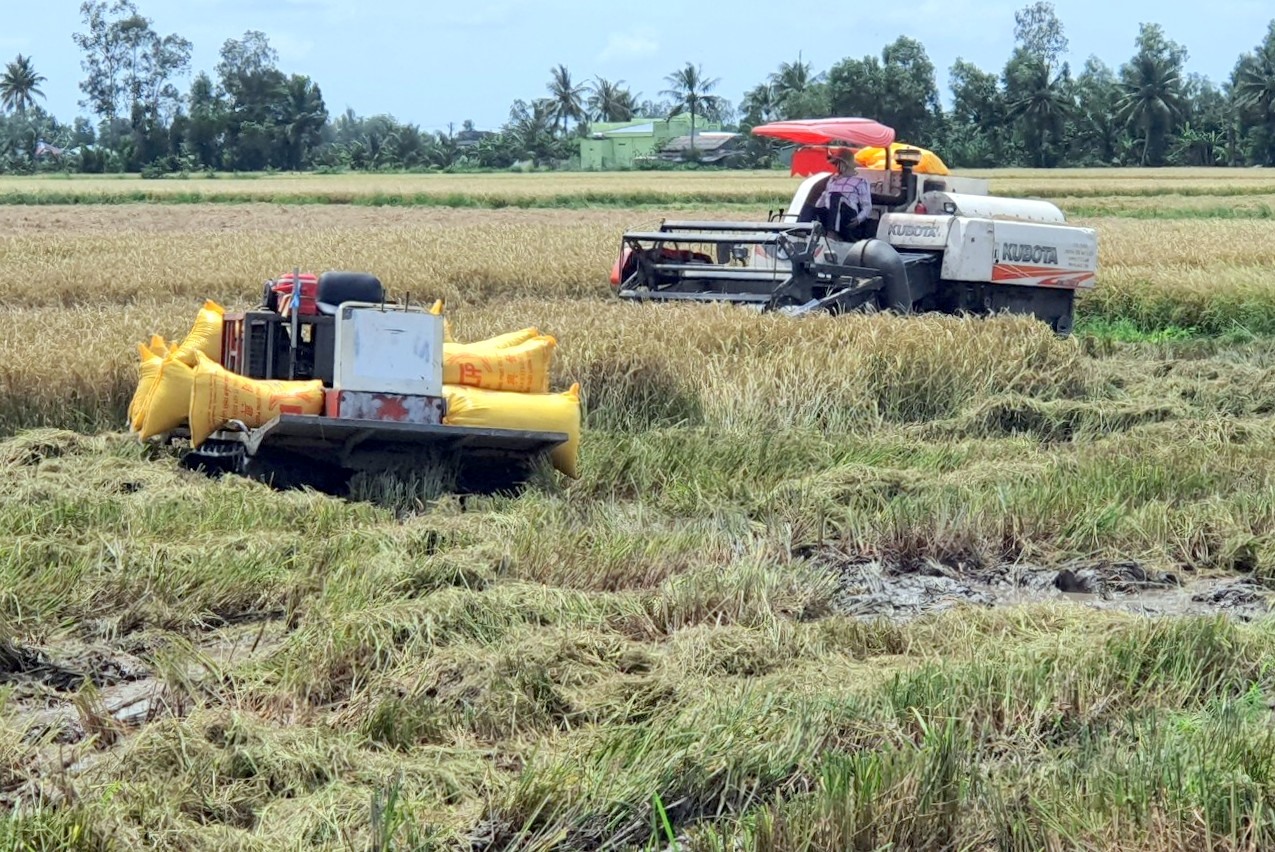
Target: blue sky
{"type": "Point", "coordinates": [433, 63]}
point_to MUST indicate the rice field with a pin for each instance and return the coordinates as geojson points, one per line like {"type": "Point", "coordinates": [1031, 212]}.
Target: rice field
{"type": "Point", "coordinates": [605, 189]}
{"type": "Point", "coordinates": [852, 583]}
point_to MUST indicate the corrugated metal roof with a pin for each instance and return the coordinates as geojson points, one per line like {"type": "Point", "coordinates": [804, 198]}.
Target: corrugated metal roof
{"type": "Point", "coordinates": [634, 130]}
{"type": "Point", "coordinates": [703, 142]}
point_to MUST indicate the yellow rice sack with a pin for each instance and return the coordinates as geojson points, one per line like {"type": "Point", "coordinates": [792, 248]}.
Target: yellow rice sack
{"type": "Point", "coordinates": [204, 336]}
{"type": "Point", "coordinates": [169, 399]}
{"type": "Point", "coordinates": [150, 361]}
{"type": "Point", "coordinates": [548, 412]}
{"type": "Point", "coordinates": [874, 158]}
{"type": "Point", "coordinates": [159, 345]}
{"type": "Point", "coordinates": [500, 341]}
{"type": "Point", "coordinates": [436, 309]}
{"type": "Point", "coordinates": [522, 367]}
{"type": "Point", "coordinates": [219, 396]}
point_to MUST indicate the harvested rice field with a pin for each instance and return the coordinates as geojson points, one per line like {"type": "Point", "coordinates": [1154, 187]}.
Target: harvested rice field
{"type": "Point", "coordinates": [824, 583]}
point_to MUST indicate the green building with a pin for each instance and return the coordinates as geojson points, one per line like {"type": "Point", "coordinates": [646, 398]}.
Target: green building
{"type": "Point", "coordinates": [619, 145]}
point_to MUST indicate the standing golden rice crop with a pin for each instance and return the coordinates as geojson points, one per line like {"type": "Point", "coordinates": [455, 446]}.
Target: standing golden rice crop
{"type": "Point", "coordinates": [1211, 274]}
{"type": "Point", "coordinates": [608, 188]}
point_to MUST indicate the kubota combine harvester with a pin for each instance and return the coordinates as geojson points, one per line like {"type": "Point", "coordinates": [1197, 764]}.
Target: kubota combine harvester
{"type": "Point", "coordinates": [932, 242]}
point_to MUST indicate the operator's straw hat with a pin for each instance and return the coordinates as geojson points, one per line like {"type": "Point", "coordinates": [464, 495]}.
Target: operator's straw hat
{"type": "Point", "coordinates": [845, 155]}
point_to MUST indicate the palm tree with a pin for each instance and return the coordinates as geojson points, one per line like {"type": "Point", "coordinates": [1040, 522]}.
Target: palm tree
{"type": "Point", "coordinates": [760, 103]}
{"type": "Point", "coordinates": [19, 83]}
{"type": "Point", "coordinates": [626, 105]}
{"type": "Point", "coordinates": [689, 88]}
{"type": "Point", "coordinates": [303, 118]}
{"type": "Point", "coordinates": [1255, 79]}
{"type": "Point", "coordinates": [1253, 90]}
{"type": "Point", "coordinates": [1150, 97]}
{"type": "Point", "coordinates": [530, 128]}
{"type": "Point", "coordinates": [610, 101]}
{"type": "Point", "coordinates": [1042, 102]}
{"type": "Point", "coordinates": [792, 79]}
{"type": "Point", "coordinates": [565, 97]}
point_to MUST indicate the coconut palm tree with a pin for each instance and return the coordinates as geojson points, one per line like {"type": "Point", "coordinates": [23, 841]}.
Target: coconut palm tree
{"type": "Point", "coordinates": [1255, 79]}
{"type": "Point", "coordinates": [1150, 98]}
{"type": "Point", "coordinates": [610, 101]}
{"type": "Point", "coordinates": [530, 128]}
{"type": "Point", "coordinates": [1253, 90]}
{"type": "Point", "coordinates": [689, 89]}
{"type": "Point", "coordinates": [303, 118]}
{"type": "Point", "coordinates": [566, 97]}
{"type": "Point", "coordinates": [1042, 102]}
{"type": "Point", "coordinates": [760, 104]}
{"type": "Point", "coordinates": [19, 83]}
{"type": "Point", "coordinates": [792, 79]}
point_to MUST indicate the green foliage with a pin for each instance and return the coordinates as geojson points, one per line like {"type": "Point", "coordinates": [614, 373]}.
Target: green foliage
{"type": "Point", "coordinates": [19, 84]}
{"type": "Point", "coordinates": [897, 89]}
{"type": "Point", "coordinates": [1253, 84]}
{"type": "Point", "coordinates": [1151, 92]}
{"type": "Point", "coordinates": [131, 68]}
{"type": "Point", "coordinates": [1125, 330]}
{"type": "Point", "coordinates": [1039, 102]}
{"type": "Point", "coordinates": [566, 98]}
{"type": "Point", "coordinates": [249, 115]}
{"type": "Point", "coordinates": [690, 92]}
{"type": "Point", "coordinates": [610, 101]}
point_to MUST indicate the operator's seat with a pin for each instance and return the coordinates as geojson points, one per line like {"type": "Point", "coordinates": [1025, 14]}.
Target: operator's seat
{"type": "Point", "coordinates": [803, 201]}
{"type": "Point", "coordinates": [336, 287]}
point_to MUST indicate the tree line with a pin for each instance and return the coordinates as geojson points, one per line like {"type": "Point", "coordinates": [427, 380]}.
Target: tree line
{"type": "Point", "coordinates": [250, 115]}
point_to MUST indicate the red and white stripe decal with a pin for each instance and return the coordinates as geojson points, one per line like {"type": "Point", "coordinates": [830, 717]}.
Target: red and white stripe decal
{"type": "Point", "coordinates": [1042, 276]}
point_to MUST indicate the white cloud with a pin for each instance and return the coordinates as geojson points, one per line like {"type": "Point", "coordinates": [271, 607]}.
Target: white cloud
{"type": "Point", "coordinates": [628, 46]}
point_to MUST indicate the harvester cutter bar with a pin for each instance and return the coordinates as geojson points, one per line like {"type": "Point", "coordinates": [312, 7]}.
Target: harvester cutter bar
{"type": "Point", "coordinates": [698, 270]}
{"type": "Point", "coordinates": [709, 296]}
{"type": "Point", "coordinates": [714, 225]}
{"type": "Point", "coordinates": [767, 238]}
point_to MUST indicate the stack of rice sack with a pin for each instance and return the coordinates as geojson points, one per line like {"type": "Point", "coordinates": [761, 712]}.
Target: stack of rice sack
{"type": "Point", "coordinates": [503, 383]}
{"type": "Point", "coordinates": [185, 385]}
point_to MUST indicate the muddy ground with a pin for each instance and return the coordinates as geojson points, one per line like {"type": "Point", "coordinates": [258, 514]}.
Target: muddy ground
{"type": "Point", "coordinates": [69, 690]}
{"type": "Point", "coordinates": [870, 589]}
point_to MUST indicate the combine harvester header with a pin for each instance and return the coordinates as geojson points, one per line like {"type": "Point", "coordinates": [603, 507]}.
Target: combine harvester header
{"type": "Point", "coordinates": [328, 379]}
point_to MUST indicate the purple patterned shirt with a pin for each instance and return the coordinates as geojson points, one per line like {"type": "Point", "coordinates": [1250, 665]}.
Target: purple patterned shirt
{"type": "Point", "coordinates": [853, 189]}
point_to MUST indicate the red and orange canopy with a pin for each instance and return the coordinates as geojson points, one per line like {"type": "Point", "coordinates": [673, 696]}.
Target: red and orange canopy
{"type": "Point", "coordinates": [874, 141]}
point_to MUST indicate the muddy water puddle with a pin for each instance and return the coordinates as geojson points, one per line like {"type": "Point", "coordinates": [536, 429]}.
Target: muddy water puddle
{"type": "Point", "coordinates": [67, 692]}
{"type": "Point", "coordinates": [874, 590]}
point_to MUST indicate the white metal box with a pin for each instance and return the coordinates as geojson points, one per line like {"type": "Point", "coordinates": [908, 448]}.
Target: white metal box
{"type": "Point", "coordinates": [388, 350]}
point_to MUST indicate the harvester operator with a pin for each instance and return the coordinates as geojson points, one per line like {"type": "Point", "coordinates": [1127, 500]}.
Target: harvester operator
{"type": "Point", "coordinates": [846, 200]}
